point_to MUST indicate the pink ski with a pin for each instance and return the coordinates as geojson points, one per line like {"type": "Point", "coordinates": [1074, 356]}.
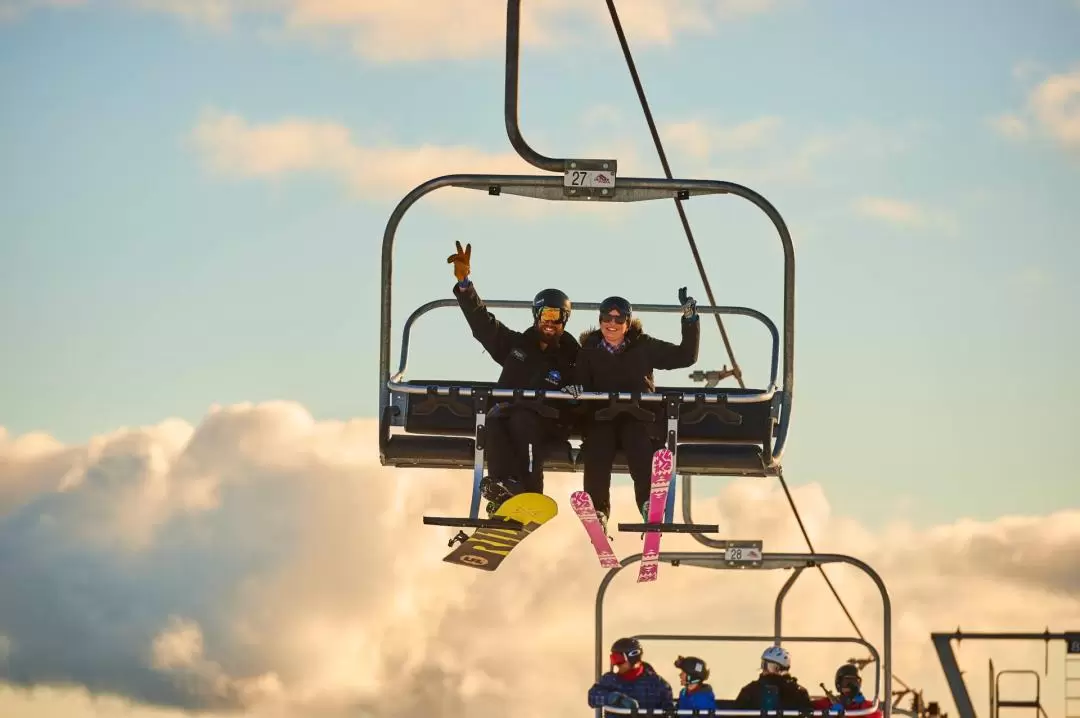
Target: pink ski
{"type": "Point", "coordinates": [662, 465]}
{"type": "Point", "coordinates": [583, 507]}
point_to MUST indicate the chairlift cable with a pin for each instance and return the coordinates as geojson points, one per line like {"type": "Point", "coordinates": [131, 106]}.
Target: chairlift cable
{"type": "Point", "coordinates": [821, 569]}
{"type": "Point", "coordinates": [736, 371]}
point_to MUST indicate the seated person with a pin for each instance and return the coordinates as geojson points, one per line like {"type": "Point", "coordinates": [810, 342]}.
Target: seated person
{"type": "Point", "coordinates": [632, 682]}
{"type": "Point", "coordinates": [775, 689]}
{"type": "Point", "coordinates": [849, 696]}
{"type": "Point", "coordinates": [695, 693]}
{"type": "Point", "coordinates": [539, 357]}
{"type": "Point", "coordinates": [621, 357]}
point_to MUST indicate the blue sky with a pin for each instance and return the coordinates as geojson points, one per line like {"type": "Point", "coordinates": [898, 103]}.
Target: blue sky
{"type": "Point", "coordinates": [191, 213]}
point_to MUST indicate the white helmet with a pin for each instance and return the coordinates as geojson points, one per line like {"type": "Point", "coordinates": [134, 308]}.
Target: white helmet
{"type": "Point", "coordinates": [777, 655]}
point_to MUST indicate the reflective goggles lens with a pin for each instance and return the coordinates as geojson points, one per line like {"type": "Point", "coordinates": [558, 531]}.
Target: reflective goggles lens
{"type": "Point", "coordinates": [551, 314]}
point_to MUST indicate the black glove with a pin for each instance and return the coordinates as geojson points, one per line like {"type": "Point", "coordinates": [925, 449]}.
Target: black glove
{"type": "Point", "coordinates": [689, 304]}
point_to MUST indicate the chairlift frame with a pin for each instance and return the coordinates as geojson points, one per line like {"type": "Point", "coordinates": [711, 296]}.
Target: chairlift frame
{"type": "Point", "coordinates": [581, 180]}
{"type": "Point", "coordinates": [796, 562]}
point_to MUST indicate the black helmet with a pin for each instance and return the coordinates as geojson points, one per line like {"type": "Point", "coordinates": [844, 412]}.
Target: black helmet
{"type": "Point", "coordinates": [849, 672]}
{"type": "Point", "coordinates": [629, 649]}
{"type": "Point", "coordinates": [552, 298]}
{"type": "Point", "coordinates": [695, 669]}
{"type": "Point", "coordinates": [619, 304]}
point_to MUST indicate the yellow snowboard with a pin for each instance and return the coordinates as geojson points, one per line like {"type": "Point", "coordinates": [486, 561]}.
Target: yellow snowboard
{"type": "Point", "coordinates": [488, 547]}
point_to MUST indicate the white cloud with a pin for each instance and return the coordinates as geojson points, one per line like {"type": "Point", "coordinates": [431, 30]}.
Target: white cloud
{"type": "Point", "coordinates": [1053, 108]}
{"type": "Point", "coordinates": [311, 587]}
{"type": "Point", "coordinates": [765, 150]}
{"type": "Point", "coordinates": [11, 10]}
{"type": "Point", "coordinates": [392, 31]}
{"type": "Point", "coordinates": [231, 146]}
{"type": "Point", "coordinates": [904, 213]}
{"type": "Point", "coordinates": [1055, 103]}
{"type": "Point", "coordinates": [699, 139]}
{"type": "Point", "coordinates": [1009, 125]}
{"type": "Point", "coordinates": [211, 13]}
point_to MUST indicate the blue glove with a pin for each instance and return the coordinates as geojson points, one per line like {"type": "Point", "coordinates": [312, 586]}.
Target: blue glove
{"type": "Point", "coordinates": [689, 304]}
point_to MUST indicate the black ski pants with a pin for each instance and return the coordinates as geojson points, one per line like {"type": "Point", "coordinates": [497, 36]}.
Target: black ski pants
{"type": "Point", "coordinates": [511, 433]}
{"type": "Point", "coordinates": [602, 439]}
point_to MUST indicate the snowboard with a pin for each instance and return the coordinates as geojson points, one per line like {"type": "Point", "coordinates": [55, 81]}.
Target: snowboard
{"type": "Point", "coordinates": [583, 507]}
{"type": "Point", "coordinates": [662, 465]}
{"type": "Point", "coordinates": [487, 548]}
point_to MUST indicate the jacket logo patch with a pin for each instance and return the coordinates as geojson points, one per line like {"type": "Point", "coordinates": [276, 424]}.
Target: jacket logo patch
{"type": "Point", "coordinates": [554, 377]}
{"type": "Point", "coordinates": [518, 354]}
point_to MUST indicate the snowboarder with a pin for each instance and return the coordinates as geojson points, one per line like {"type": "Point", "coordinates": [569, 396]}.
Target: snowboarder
{"type": "Point", "coordinates": [540, 357]}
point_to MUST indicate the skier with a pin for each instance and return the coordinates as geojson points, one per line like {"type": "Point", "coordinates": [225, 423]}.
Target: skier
{"type": "Point", "coordinates": [620, 357]}
{"type": "Point", "coordinates": [849, 696]}
{"type": "Point", "coordinates": [695, 693]}
{"type": "Point", "coordinates": [775, 689]}
{"type": "Point", "coordinates": [540, 357]}
{"type": "Point", "coordinates": [632, 683]}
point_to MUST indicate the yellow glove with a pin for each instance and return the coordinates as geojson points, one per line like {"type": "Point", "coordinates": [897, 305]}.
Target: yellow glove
{"type": "Point", "coordinates": [461, 261]}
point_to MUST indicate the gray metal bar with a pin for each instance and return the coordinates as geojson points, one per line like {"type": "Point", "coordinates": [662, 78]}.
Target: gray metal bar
{"type": "Point", "coordinates": [629, 189]}
{"type": "Point", "coordinates": [510, 101]}
{"type": "Point", "coordinates": [769, 561]}
{"type": "Point", "coordinates": [776, 639]}
{"type": "Point", "coordinates": [961, 697]}
{"type": "Point", "coordinates": [700, 713]}
{"type": "Point", "coordinates": [406, 331]}
{"type": "Point", "coordinates": [943, 645]}
{"type": "Point", "coordinates": [1004, 636]}
{"type": "Point", "coordinates": [444, 390]}
{"type": "Point", "coordinates": [778, 611]}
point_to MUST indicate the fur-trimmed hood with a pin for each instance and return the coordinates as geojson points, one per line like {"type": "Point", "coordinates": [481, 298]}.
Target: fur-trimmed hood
{"type": "Point", "coordinates": [592, 337]}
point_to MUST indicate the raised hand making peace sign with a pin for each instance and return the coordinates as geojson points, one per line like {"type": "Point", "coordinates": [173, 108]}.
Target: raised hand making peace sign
{"type": "Point", "coordinates": [461, 261]}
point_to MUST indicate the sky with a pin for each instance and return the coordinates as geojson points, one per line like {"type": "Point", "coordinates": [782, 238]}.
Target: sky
{"type": "Point", "coordinates": [191, 211]}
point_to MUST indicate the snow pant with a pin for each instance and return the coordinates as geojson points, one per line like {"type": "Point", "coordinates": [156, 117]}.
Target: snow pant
{"type": "Point", "coordinates": [510, 433]}
{"type": "Point", "coordinates": [602, 439]}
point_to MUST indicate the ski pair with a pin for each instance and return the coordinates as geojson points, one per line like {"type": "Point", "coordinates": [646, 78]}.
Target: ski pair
{"type": "Point", "coordinates": [660, 485]}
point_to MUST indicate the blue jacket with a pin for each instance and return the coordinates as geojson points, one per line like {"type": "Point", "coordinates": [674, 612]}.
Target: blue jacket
{"type": "Point", "coordinates": [650, 690]}
{"type": "Point", "coordinates": [702, 698]}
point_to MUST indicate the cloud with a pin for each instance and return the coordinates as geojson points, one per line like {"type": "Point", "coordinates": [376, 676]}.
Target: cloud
{"type": "Point", "coordinates": [231, 146]}
{"type": "Point", "coordinates": [392, 31]}
{"type": "Point", "coordinates": [263, 563]}
{"type": "Point", "coordinates": [904, 213]}
{"type": "Point", "coordinates": [767, 150]}
{"type": "Point", "coordinates": [1009, 125]}
{"type": "Point", "coordinates": [699, 139]}
{"type": "Point", "coordinates": [1052, 109]}
{"type": "Point", "coordinates": [215, 14]}
{"type": "Point", "coordinates": [11, 10]}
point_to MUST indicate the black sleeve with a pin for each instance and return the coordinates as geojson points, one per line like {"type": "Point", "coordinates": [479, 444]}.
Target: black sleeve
{"type": "Point", "coordinates": [493, 335]}
{"type": "Point", "coordinates": [665, 355]}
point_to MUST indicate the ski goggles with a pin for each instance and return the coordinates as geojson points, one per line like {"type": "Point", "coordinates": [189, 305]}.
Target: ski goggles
{"type": "Point", "coordinates": [617, 318]}
{"type": "Point", "coordinates": [551, 314]}
{"type": "Point", "coordinates": [617, 659]}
